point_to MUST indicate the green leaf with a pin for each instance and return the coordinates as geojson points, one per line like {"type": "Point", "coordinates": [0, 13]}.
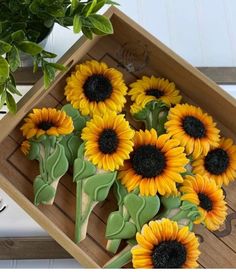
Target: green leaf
{"type": "Point", "coordinates": [34, 151]}
{"type": "Point", "coordinates": [193, 215]}
{"type": "Point", "coordinates": [98, 186]}
{"type": "Point", "coordinates": [18, 36]}
{"type": "Point", "coordinates": [79, 120]}
{"type": "Point", "coordinates": [171, 202]}
{"type": "Point", "coordinates": [43, 192]}
{"type": "Point", "coordinates": [117, 228]}
{"type": "Point", "coordinates": [99, 5]}
{"type": "Point", "coordinates": [11, 103]}
{"type": "Point", "coordinates": [36, 62]}
{"type": "Point", "coordinates": [77, 23]}
{"type": "Point", "coordinates": [141, 208]}
{"type": "Point", "coordinates": [3, 98]}
{"type": "Point", "coordinates": [57, 12]}
{"type": "Point", "coordinates": [14, 58]}
{"type": "Point", "coordinates": [2, 88]}
{"type": "Point", "coordinates": [4, 70]}
{"type": "Point", "coordinates": [97, 32]}
{"type": "Point", "coordinates": [109, 2]}
{"type": "Point", "coordinates": [101, 23]}
{"type": "Point", "coordinates": [79, 166]}
{"type": "Point", "coordinates": [30, 48]}
{"type": "Point", "coordinates": [46, 54]}
{"type": "Point", "coordinates": [57, 163]}
{"type": "Point", "coordinates": [81, 151]}
{"type": "Point", "coordinates": [58, 66]}
{"type": "Point", "coordinates": [49, 23]}
{"type": "Point", "coordinates": [49, 74]}
{"type": "Point", "coordinates": [71, 145]}
{"type": "Point", "coordinates": [186, 205]}
{"type": "Point", "coordinates": [83, 169]}
{"type": "Point", "coordinates": [120, 192]}
{"type": "Point", "coordinates": [141, 115]}
{"type": "Point", "coordinates": [12, 79]}
{"type": "Point", "coordinates": [33, 35]}
{"type": "Point", "coordinates": [87, 32]}
{"type": "Point", "coordinates": [4, 47]}
{"type": "Point", "coordinates": [13, 89]}
{"type": "Point", "coordinates": [74, 5]}
{"type": "Point", "coordinates": [87, 10]}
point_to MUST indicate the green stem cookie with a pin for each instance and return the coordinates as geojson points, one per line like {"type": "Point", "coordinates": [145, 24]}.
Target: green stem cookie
{"type": "Point", "coordinates": [121, 259]}
{"type": "Point", "coordinates": [53, 164]}
{"type": "Point", "coordinates": [78, 211]}
{"type": "Point", "coordinates": [92, 187]}
{"type": "Point", "coordinates": [154, 115]}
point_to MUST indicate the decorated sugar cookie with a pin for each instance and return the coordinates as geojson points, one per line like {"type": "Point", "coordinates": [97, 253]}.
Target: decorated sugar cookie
{"type": "Point", "coordinates": [44, 129]}
{"type": "Point", "coordinates": [94, 88]}
{"type": "Point", "coordinates": [165, 176]}
{"type": "Point", "coordinates": [155, 165]}
{"type": "Point", "coordinates": [152, 97]}
{"type": "Point", "coordinates": [107, 143]}
{"type": "Point", "coordinates": [163, 244]}
{"type": "Point", "coordinates": [205, 194]}
{"type": "Point", "coordinates": [219, 163]}
{"type": "Point", "coordinates": [195, 129]}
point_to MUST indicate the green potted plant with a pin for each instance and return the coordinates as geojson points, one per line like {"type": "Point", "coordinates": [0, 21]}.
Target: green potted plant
{"type": "Point", "coordinates": [24, 24]}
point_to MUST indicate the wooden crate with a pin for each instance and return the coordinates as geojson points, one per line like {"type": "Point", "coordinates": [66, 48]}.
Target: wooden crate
{"type": "Point", "coordinates": [17, 173]}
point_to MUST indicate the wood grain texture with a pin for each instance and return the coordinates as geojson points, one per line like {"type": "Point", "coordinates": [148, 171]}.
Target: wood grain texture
{"type": "Point", "coordinates": [31, 248]}
{"type": "Point", "coordinates": [17, 173]}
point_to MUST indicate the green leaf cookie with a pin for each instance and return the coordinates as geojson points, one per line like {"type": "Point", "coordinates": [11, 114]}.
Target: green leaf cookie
{"type": "Point", "coordinates": [57, 163]}
{"type": "Point", "coordinates": [186, 205]}
{"type": "Point", "coordinates": [193, 215]}
{"type": "Point", "coordinates": [83, 169]}
{"type": "Point", "coordinates": [98, 186]}
{"type": "Point", "coordinates": [171, 202]}
{"type": "Point", "coordinates": [34, 151]}
{"type": "Point", "coordinates": [71, 145]}
{"type": "Point", "coordinates": [120, 192]}
{"type": "Point", "coordinates": [141, 208]}
{"type": "Point", "coordinates": [117, 228]}
{"type": "Point", "coordinates": [80, 153]}
{"type": "Point", "coordinates": [78, 120]}
{"type": "Point", "coordinates": [43, 192]}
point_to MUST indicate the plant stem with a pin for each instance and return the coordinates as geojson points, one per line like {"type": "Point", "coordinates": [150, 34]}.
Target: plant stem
{"type": "Point", "coordinates": [42, 167]}
{"type": "Point", "coordinates": [121, 259]}
{"type": "Point", "coordinates": [113, 245]}
{"type": "Point", "coordinates": [84, 207]}
{"type": "Point", "coordinates": [180, 215]}
{"type": "Point", "coordinates": [87, 212]}
{"type": "Point", "coordinates": [149, 121]}
{"type": "Point", "coordinates": [78, 211]}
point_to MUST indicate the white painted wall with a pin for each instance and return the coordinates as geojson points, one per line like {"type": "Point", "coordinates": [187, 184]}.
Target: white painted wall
{"type": "Point", "coordinates": [201, 31]}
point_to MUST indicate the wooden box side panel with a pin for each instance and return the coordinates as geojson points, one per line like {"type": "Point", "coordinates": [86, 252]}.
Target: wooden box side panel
{"type": "Point", "coordinates": [203, 91]}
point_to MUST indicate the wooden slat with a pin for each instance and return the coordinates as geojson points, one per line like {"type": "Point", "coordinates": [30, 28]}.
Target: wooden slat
{"type": "Point", "coordinates": [214, 253]}
{"type": "Point", "coordinates": [221, 75]}
{"type": "Point", "coordinates": [227, 232]}
{"type": "Point", "coordinates": [31, 248]}
{"type": "Point", "coordinates": [25, 76]}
